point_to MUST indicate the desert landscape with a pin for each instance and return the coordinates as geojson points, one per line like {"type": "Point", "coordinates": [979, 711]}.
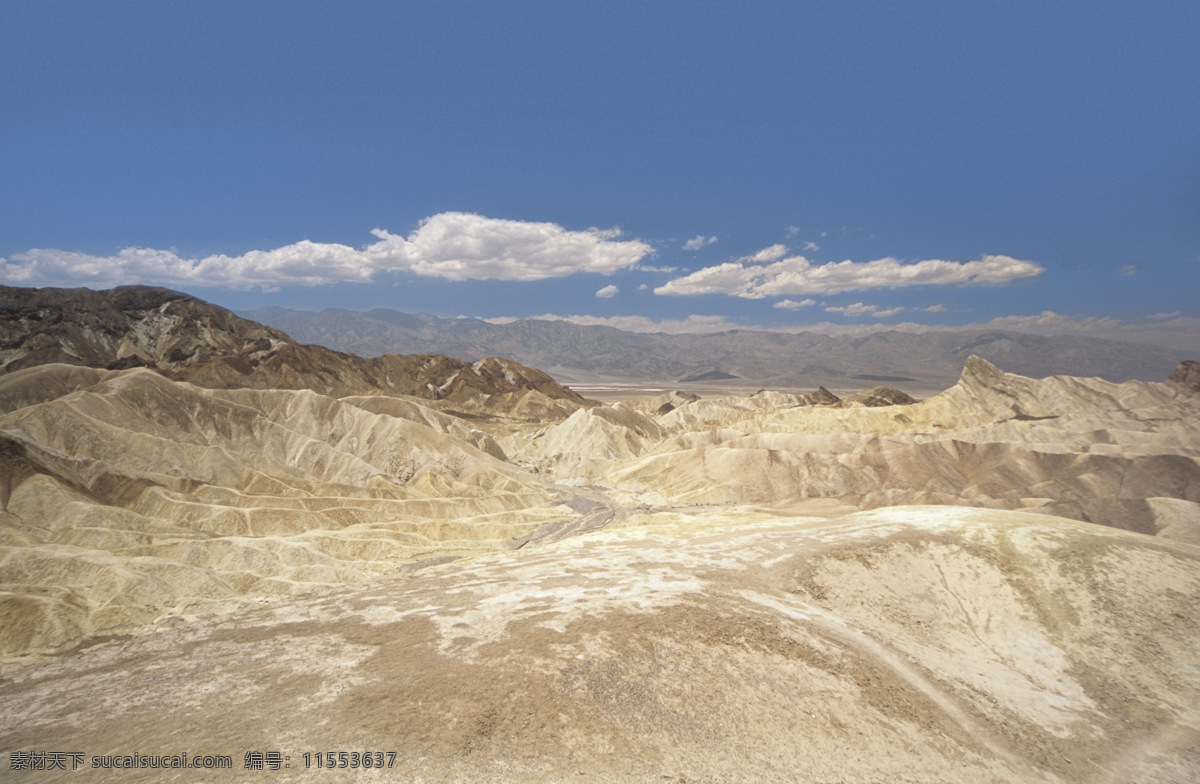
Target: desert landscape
{"type": "Point", "coordinates": [615, 393]}
{"type": "Point", "coordinates": [218, 541]}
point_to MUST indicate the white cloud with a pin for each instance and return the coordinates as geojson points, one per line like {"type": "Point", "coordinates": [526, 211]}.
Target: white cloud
{"type": "Point", "coordinates": [302, 263]}
{"type": "Point", "coordinates": [451, 245]}
{"type": "Point", "coordinates": [647, 268]}
{"type": "Point", "coordinates": [1130, 269]}
{"type": "Point", "coordinates": [608, 292]}
{"type": "Point", "coordinates": [859, 309]}
{"type": "Point", "coordinates": [1049, 321]}
{"type": "Point", "coordinates": [798, 275]}
{"type": "Point", "coordinates": [1180, 332]}
{"type": "Point", "coordinates": [788, 304]}
{"type": "Point", "coordinates": [811, 247]}
{"type": "Point", "coordinates": [699, 242]}
{"type": "Point", "coordinates": [690, 325]}
{"type": "Point", "coordinates": [791, 231]}
{"type": "Point", "coordinates": [643, 287]}
{"type": "Point", "coordinates": [938, 308]}
{"type": "Point", "coordinates": [463, 246]}
{"type": "Point", "coordinates": [770, 253]}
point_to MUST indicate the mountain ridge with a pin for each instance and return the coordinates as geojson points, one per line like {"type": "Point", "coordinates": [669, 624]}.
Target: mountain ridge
{"type": "Point", "coordinates": [595, 352]}
{"type": "Point", "coordinates": [187, 339]}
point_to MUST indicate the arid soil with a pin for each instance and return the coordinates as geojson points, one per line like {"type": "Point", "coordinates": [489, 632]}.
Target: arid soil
{"type": "Point", "coordinates": [999, 583]}
{"type": "Point", "coordinates": [907, 644]}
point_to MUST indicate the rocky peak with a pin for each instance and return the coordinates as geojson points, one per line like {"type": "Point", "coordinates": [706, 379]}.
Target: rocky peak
{"type": "Point", "coordinates": [1187, 375]}
{"type": "Point", "coordinates": [128, 326]}
{"type": "Point", "coordinates": [824, 397]}
{"type": "Point", "coordinates": [977, 370]}
{"type": "Point", "coordinates": [880, 396]}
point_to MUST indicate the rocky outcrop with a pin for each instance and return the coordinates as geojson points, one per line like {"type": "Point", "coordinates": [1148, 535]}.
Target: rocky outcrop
{"type": "Point", "coordinates": [1124, 455]}
{"type": "Point", "coordinates": [186, 339]}
{"type": "Point", "coordinates": [126, 498]}
{"type": "Point", "coordinates": [877, 397]}
{"type": "Point", "coordinates": [128, 326]}
{"type": "Point", "coordinates": [1187, 375]}
{"type": "Point", "coordinates": [823, 397]}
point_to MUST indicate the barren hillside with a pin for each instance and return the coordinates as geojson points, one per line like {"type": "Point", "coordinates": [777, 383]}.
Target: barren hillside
{"type": "Point", "coordinates": [996, 584]}
{"type": "Point", "coordinates": [186, 339]}
{"type": "Point", "coordinates": [907, 644]}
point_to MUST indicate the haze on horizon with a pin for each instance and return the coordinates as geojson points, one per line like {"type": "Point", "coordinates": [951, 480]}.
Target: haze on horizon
{"type": "Point", "coordinates": [668, 167]}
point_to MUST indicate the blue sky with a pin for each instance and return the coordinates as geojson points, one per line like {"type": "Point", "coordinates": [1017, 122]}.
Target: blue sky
{"type": "Point", "coordinates": [680, 165]}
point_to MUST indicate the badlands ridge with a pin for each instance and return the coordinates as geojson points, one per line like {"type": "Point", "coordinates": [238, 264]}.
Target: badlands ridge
{"type": "Point", "coordinates": [999, 583]}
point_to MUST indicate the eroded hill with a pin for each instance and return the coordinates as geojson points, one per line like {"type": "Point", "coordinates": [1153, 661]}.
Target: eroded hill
{"type": "Point", "coordinates": [130, 498]}
{"type": "Point", "coordinates": [513, 587]}
{"type": "Point", "coordinates": [187, 339]}
{"type": "Point", "coordinates": [1125, 455]}
{"type": "Point", "coordinates": [914, 644]}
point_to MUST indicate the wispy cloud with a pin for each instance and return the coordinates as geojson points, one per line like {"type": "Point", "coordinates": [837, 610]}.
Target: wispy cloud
{"type": "Point", "coordinates": [789, 304]}
{"type": "Point", "coordinates": [810, 247]}
{"type": "Point", "coordinates": [608, 292]}
{"type": "Point", "coordinates": [753, 278]}
{"type": "Point", "coordinates": [938, 308]}
{"type": "Point", "coordinates": [699, 242]}
{"type": "Point", "coordinates": [689, 325]}
{"type": "Point", "coordinates": [1165, 329]}
{"type": "Point", "coordinates": [451, 245]}
{"type": "Point", "coordinates": [769, 253]}
{"type": "Point", "coordinates": [1130, 269]}
{"type": "Point", "coordinates": [859, 309]}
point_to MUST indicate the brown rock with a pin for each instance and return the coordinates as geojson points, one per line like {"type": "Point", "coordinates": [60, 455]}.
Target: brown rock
{"type": "Point", "coordinates": [1187, 375]}
{"type": "Point", "coordinates": [186, 339]}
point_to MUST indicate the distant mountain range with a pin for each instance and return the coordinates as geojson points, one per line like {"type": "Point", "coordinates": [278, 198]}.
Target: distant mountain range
{"type": "Point", "coordinates": [575, 354]}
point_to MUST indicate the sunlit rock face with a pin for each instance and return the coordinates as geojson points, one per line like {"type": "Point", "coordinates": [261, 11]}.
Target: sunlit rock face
{"type": "Point", "coordinates": [1125, 455]}
{"type": "Point", "coordinates": [133, 498]}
